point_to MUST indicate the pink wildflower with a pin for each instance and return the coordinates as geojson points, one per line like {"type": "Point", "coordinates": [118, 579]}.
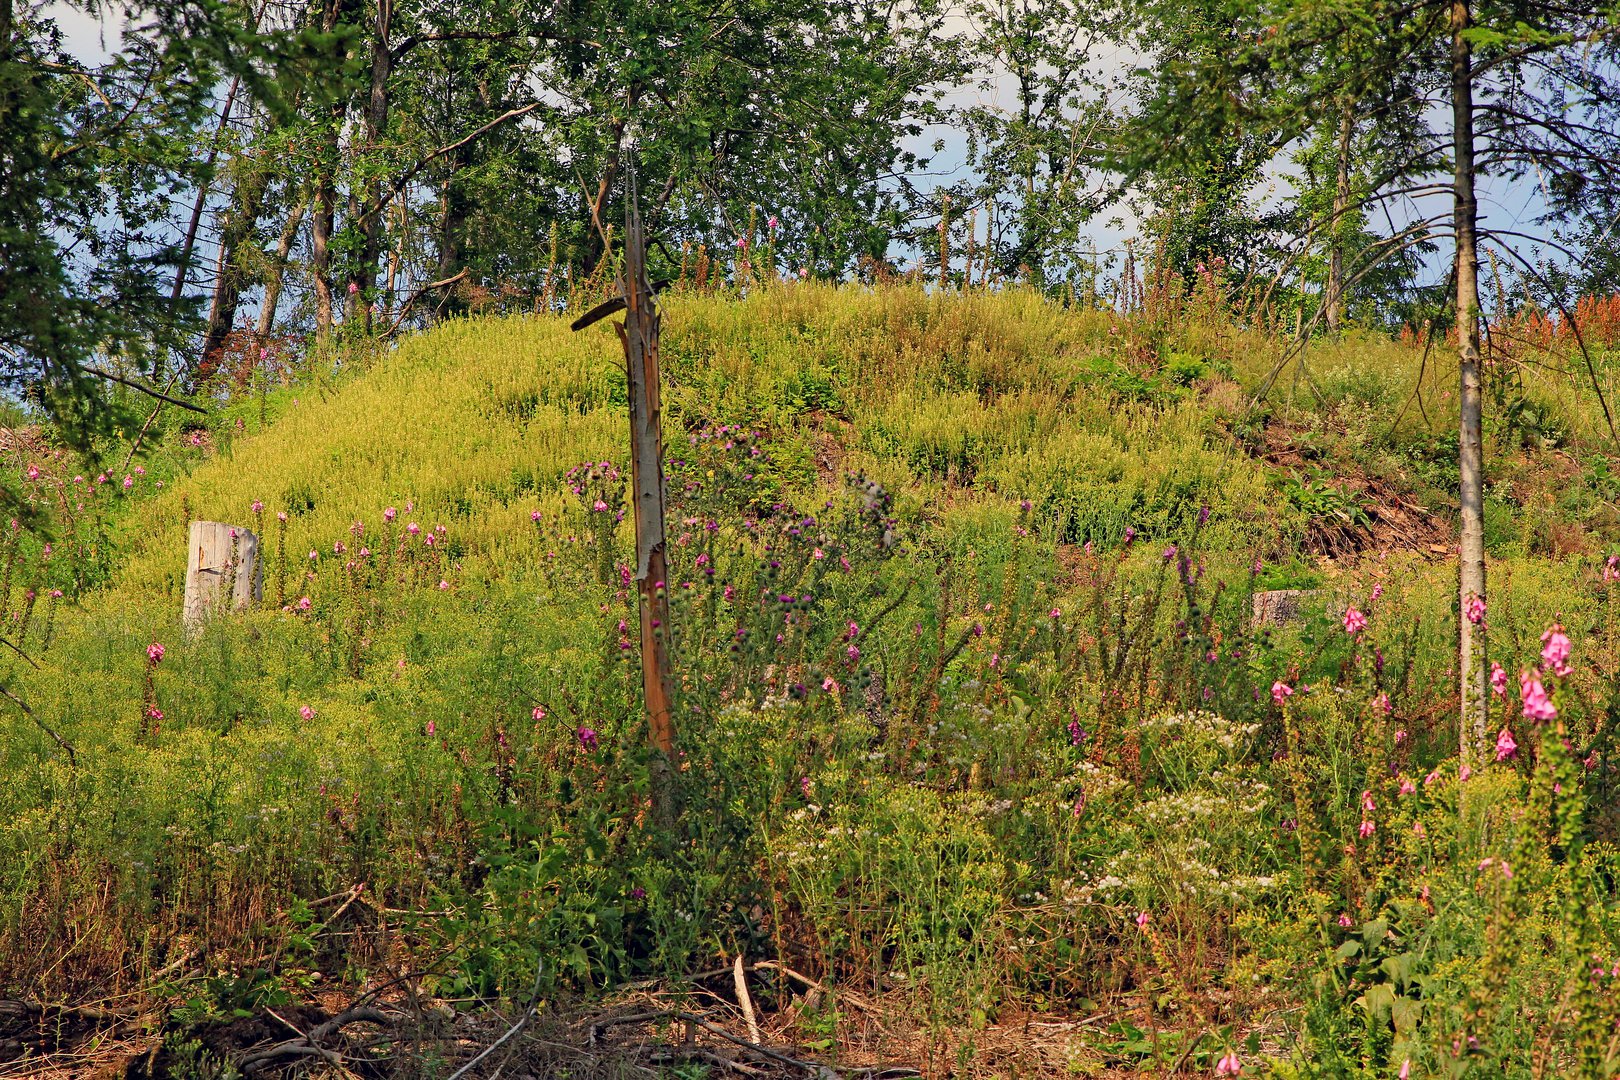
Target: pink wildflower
{"type": "Point", "coordinates": [129, 482]}
{"type": "Point", "coordinates": [1355, 621]}
{"type": "Point", "coordinates": [1346, 922]}
{"type": "Point", "coordinates": [154, 653]}
{"type": "Point", "coordinates": [33, 472]}
{"type": "Point", "coordinates": [1505, 746]}
{"type": "Point", "coordinates": [1555, 649]}
{"type": "Point", "coordinates": [443, 584]}
{"type": "Point", "coordinates": [431, 727]}
{"type": "Point", "coordinates": [1407, 787]}
{"type": "Point", "coordinates": [413, 528]}
{"type": "Point", "coordinates": [1281, 692]}
{"type": "Point", "coordinates": [306, 712]}
{"type": "Point", "coordinates": [256, 506]}
{"type": "Point", "coordinates": [1142, 920]}
{"type": "Point", "coordinates": [1537, 705]}
{"type": "Point", "coordinates": [1367, 803]}
{"type": "Point", "coordinates": [587, 738]}
{"type": "Point", "coordinates": [303, 603]}
{"type": "Point", "coordinates": [1366, 829]}
{"type": "Point", "coordinates": [1229, 1065]}
{"type": "Point", "coordinates": [539, 712]}
{"type": "Point", "coordinates": [1498, 679]}
{"type": "Point", "coordinates": [1381, 704]}
{"type": "Point", "coordinates": [1474, 610]}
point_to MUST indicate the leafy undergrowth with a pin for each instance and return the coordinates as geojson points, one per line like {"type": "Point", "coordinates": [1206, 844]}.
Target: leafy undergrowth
{"type": "Point", "coordinates": [977, 733]}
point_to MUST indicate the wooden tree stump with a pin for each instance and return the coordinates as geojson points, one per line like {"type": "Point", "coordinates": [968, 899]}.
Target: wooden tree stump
{"type": "Point", "coordinates": [223, 571]}
{"type": "Point", "coordinates": [1279, 607]}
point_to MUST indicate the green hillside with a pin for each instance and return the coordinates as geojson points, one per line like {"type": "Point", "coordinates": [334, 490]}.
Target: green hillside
{"type": "Point", "coordinates": [967, 674]}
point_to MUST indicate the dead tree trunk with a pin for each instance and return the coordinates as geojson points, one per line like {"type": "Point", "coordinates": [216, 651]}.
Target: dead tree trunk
{"type": "Point", "coordinates": [223, 571]}
{"type": "Point", "coordinates": [1470, 452]}
{"type": "Point", "coordinates": [639, 336]}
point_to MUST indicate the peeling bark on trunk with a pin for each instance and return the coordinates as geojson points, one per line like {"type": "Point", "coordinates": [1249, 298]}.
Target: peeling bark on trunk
{"type": "Point", "coordinates": [639, 335]}
{"type": "Point", "coordinates": [1470, 453]}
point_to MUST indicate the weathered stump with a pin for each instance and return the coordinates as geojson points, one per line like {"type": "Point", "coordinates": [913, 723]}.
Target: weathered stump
{"type": "Point", "coordinates": [223, 571]}
{"type": "Point", "coordinates": [1279, 607]}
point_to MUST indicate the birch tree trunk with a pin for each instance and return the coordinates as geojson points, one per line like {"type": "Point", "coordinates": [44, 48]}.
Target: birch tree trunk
{"type": "Point", "coordinates": [1470, 451]}
{"type": "Point", "coordinates": [1341, 203]}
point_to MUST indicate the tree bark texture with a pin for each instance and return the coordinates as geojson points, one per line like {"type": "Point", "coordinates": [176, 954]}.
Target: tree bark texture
{"type": "Point", "coordinates": [1470, 452]}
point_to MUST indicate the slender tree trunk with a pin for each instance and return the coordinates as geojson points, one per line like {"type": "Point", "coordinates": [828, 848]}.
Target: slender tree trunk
{"type": "Point", "coordinates": [320, 250]}
{"type": "Point", "coordinates": [452, 223]}
{"type": "Point", "coordinates": [278, 267]}
{"type": "Point", "coordinates": [1341, 203]}
{"type": "Point", "coordinates": [1470, 452]}
{"type": "Point", "coordinates": [370, 211]}
{"type": "Point", "coordinates": [232, 275]}
{"type": "Point", "coordinates": [325, 210]}
{"type": "Point", "coordinates": [639, 335]}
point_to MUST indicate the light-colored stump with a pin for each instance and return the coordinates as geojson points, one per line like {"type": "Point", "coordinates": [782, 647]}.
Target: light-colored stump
{"type": "Point", "coordinates": [1279, 607]}
{"type": "Point", "coordinates": [221, 559]}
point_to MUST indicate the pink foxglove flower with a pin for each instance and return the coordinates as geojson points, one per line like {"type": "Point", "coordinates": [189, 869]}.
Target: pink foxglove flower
{"type": "Point", "coordinates": [1555, 649]}
{"type": "Point", "coordinates": [1142, 920]}
{"type": "Point", "coordinates": [1505, 746]}
{"type": "Point", "coordinates": [1355, 621]}
{"type": "Point", "coordinates": [154, 653]}
{"type": "Point", "coordinates": [1537, 705]}
{"type": "Point", "coordinates": [1474, 610]}
{"type": "Point", "coordinates": [1229, 1066]}
{"type": "Point", "coordinates": [1366, 829]}
{"type": "Point", "coordinates": [1281, 692]}
{"type": "Point", "coordinates": [1498, 679]}
{"type": "Point", "coordinates": [306, 712]}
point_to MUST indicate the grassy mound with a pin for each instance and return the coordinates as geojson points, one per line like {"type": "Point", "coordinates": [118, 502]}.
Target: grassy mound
{"type": "Point", "coordinates": [945, 731]}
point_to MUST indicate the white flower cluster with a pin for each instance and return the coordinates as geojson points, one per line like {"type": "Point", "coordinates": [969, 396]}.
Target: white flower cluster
{"type": "Point", "coordinates": [1202, 726]}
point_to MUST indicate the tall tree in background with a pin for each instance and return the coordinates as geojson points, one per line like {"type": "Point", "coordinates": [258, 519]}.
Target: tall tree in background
{"type": "Point", "coordinates": [1497, 89]}
{"type": "Point", "coordinates": [1035, 162]}
{"type": "Point", "coordinates": [94, 157]}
